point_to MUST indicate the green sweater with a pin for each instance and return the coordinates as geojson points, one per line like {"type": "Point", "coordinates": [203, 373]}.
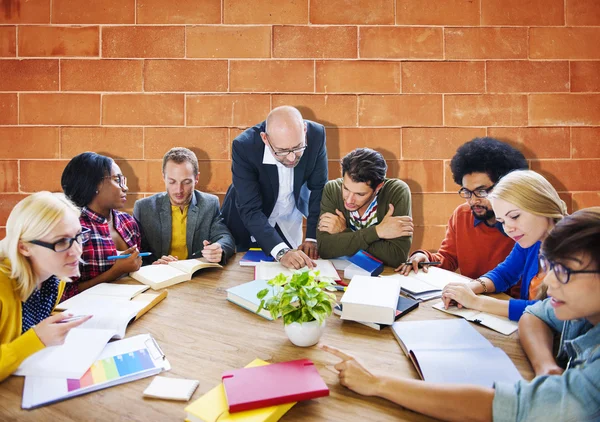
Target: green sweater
{"type": "Point", "coordinates": [392, 252]}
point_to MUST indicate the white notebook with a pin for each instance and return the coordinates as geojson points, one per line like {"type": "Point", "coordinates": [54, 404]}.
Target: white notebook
{"type": "Point", "coordinates": [371, 299]}
{"type": "Point", "coordinates": [269, 270]}
{"type": "Point", "coordinates": [171, 388]}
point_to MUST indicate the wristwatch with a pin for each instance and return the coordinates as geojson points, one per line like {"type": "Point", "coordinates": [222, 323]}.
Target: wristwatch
{"type": "Point", "coordinates": [281, 253]}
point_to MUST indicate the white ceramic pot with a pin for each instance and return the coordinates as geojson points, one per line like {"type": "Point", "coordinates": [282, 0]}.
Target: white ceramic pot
{"type": "Point", "coordinates": [305, 334]}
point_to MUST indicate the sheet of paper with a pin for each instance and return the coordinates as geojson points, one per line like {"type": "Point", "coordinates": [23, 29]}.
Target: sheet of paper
{"type": "Point", "coordinates": [269, 270]}
{"type": "Point", "coordinates": [108, 314]}
{"type": "Point", "coordinates": [69, 360]}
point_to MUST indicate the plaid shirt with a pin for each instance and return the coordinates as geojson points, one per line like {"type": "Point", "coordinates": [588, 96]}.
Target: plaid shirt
{"type": "Point", "coordinates": [100, 245]}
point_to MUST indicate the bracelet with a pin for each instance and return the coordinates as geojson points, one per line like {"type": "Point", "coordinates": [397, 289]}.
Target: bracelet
{"type": "Point", "coordinates": [482, 284]}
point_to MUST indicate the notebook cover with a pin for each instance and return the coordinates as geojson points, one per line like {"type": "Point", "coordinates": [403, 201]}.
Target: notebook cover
{"type": "Point", "coordinates": [275, 384]}
{"type": "Point", "coordinates": [213, 405]}
{"type": "Point", "coordinates": [367, 262]}
{"type": "Point", "coordinates": [256, 255]}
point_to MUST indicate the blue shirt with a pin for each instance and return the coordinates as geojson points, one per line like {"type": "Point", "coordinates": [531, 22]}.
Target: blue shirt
{"type": "Point", "coordinates": [573, 396]}
{"type": "Point", "coordinates": [520, 264]}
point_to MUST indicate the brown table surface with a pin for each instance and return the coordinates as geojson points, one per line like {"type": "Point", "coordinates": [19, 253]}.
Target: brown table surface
{"type": "Point", "coordinates": [203, 335]}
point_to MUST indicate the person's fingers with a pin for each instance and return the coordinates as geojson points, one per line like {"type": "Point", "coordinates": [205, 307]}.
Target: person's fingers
{"type": "Point", "coordinates": [425, 268]}
{"type": "Point", "coordinates": [335, 351]}
{"type": "Point", "coordinates": [340, 214]}
{"type": "Point", "coordinates": [390, 211]}
{"type": "Point", "coordinates": [415, 266]}
{"type": "Point", "coordinates": [70, 325]}
{"type": "Point", "coordinates": [130, 250]}
{"type": "Point", "coordinates": [58, 317]}
{"type": "Point", "coordinates": [205, 242]}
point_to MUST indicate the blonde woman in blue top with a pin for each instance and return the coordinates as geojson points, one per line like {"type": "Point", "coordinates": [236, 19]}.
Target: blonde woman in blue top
{"type": "Point", "coordinates": [528, 207]}
{"type": "Point", "coordinates": [566, 388]}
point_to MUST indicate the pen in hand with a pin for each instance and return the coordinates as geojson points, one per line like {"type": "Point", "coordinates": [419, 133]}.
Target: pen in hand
{"type": "Point", "coordinates": [423, 264]}
{"type": "Point", "coordinates": [126, 255]}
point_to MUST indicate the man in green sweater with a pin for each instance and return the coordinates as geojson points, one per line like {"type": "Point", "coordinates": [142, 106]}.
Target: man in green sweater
{"type": "Point", "coordinates": [364, 210]}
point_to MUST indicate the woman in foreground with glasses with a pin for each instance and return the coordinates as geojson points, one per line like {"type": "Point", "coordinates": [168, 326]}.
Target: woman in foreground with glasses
{"type": "Point", "coordinates": [42, 247]}
{"type": "Point", "coordinates": [567, 390]}
{"type": "Point", "coordinates": [95, 183]}
{"type": "Point", "coordinates": [528, 207]}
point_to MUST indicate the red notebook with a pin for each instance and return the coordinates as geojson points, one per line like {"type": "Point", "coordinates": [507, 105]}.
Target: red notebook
{"type": "Point", "coordinates": [271, 385]}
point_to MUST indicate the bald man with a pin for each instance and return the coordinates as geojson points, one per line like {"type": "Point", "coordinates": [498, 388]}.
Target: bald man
{"type": "Point", "coordinates": [279, 170]}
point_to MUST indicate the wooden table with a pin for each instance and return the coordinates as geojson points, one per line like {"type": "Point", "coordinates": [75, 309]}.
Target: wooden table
{"type": "Point", "coordinates": [203, 335]}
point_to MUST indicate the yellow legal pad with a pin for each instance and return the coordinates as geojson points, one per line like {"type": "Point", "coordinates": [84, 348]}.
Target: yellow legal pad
{"type": "Point", "coordinates": [212, 407]}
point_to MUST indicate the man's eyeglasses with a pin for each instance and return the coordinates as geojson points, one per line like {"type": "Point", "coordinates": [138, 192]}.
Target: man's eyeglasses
{"type": "Point", "coordinates": [479, 193]}
{"type": "Point", "coordinates": [120, 179]}
{"type": "Point", "coordinates": [286, 152]}
{"type": "Point", "coordinates": [562, 273]}
{"type": "Point", "coordinates": [66, 243]}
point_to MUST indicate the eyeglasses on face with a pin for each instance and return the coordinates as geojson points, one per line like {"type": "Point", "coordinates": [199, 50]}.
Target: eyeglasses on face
{"type": "Point", "coordinates": [286, 152]}
{"type": "Point", "coordinates": [562, 273]}
{"type": "Point", "coordinates": [65, 243]}
{"type": "Point", "coordinates": [120, 179]}
{"type": "Point", "coordinates": [479, 193]}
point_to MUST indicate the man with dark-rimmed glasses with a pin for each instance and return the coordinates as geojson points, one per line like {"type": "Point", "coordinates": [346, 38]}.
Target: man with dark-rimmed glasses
{"type": "Point", "coordinates": [279, 170]}
{"type": "Point", "coordinates": [475, 243]}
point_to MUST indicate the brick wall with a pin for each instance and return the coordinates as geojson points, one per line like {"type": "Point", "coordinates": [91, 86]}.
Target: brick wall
{"type": "Point", "coordinates": [411, 78]}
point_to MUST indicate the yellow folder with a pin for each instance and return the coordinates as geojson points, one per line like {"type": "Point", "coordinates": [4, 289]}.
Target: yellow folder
{"type": "Point", "coordinates": [212, 407]}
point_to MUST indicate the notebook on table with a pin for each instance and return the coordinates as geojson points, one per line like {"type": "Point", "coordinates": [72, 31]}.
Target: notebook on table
{"type": "Point", "coordinates": [212, 406]}
{"type": "Point", "coordinates": [171, 388]}
{"type": "Point", "coordinates": [452, 351]}
{"type": "Point", "coordinates": [121, 361]}
{"type": "Point", "coordinates": [272, 385]}
{"type": "Point", "coordinates": [254, 256]}
{"type": "Point", "coordinates": [405, 305]}
{"type": "Point", "coordinates": [497, 323]}
{"type": "Point", "coordinates": [165, 275]}
{"type": "Point", "coordinates": [428, 285]}
{"type": "Point", "coordinates": [244, 295]}
{"type": "Point", "coordinates": [103, 292]}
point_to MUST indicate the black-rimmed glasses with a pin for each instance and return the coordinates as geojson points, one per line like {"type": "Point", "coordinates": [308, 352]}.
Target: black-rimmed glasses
{"type": "Point", "coordinates": [286, 152]}
{"type": "Point", "coordinates": [562, 273]}
{"type": "Point", "coordinates": [120, 179]}
{"type": "Point", "coordinates": [479, 193]}
{"type": "Point", "coordinates": [65, 243]}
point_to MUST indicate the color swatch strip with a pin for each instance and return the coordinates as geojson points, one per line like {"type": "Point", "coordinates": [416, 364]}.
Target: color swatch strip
{"type": "Point", "coordinates": [111, 368]}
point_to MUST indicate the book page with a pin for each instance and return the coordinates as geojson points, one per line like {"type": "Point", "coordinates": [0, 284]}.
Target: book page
{"type": "Point", "coordinates": [69, 360]}
{"type": "Point", "coordinates": [438, 278]}
{"type": "Point", "coordinates": [192, 265]}
{"type": "Point", "coordinates": [497, 323]}
{"type": "Point", "coordinates": [108, 314]}
{"type": "Point", "coordinates": [157, 273]}
{"type": "Point", "coordinates": [269, 270]}
{"type": "Point", "coordinates": [116, 290]}
{"type": "Point", "coordinates": [469, 314]}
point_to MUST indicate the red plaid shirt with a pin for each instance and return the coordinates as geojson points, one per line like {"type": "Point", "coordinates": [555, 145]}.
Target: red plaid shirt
{"type": "Point", "coordinates": [100, 245]}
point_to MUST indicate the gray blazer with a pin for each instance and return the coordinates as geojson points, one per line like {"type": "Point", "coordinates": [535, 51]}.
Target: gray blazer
{"type": "Point", "coordinates": [204, 222]}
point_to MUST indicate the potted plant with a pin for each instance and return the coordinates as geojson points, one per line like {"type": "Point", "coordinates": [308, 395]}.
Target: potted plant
{"type": "Point", "coordinates": [303, 302]}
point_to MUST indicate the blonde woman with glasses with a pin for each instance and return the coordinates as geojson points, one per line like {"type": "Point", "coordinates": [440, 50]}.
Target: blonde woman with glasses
{"type": "Point", "coordinates": [528, 207]}
{"type": "Point", "coordinates": [41, 250]}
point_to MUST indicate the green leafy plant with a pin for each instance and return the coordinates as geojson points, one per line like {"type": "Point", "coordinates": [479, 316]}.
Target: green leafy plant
{"type": "Point", "coordinates": [299, 298]}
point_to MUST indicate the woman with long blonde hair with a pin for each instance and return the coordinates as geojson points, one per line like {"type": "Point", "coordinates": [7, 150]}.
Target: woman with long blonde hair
{"type": "Point", "coordinates": [528, 207]}
{"type": "Point", "coordinates": [42, 247]}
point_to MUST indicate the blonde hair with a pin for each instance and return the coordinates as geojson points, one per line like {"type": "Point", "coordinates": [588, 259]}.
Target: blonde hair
{"type": "Point", "coordinates": [531, 192]}
{"type": "Point", "coordinates": [32, 218]}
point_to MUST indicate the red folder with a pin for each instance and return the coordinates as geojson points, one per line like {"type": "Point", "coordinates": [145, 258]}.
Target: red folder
{"type": "Point", "coordinates": [271, 385]}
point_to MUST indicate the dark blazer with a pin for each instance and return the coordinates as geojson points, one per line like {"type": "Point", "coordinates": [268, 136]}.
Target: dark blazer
{"type": "Point", "coordinates": [204, 222]}
{"type": "Point", "coordinates": [253, 193]}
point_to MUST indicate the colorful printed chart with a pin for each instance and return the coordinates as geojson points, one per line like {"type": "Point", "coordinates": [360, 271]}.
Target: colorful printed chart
{"type": "Point", "coordinates": [112, 368]}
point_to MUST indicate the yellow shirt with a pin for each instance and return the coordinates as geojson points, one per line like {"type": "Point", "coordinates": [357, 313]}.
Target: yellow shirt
{"type": "Point", "coordinates": [14, 346]}
{"type": "Point", "coordinates": [178, 228]}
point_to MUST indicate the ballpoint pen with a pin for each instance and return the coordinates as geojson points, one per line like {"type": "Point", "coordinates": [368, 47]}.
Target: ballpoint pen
{"type": "Point", "coordinates": [127, 255]}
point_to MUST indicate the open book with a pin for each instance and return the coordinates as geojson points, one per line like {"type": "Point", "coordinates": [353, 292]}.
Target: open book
{"type": "Point", "coordinates": [165, 275]}
{"type": "Point", "coordinates": [269, 270]}
{"type": "Point", "coordinates": [452, 351]}
{"type": "Point", "coordinates": [98, 295]}
{"type": "Point", "coordinates": [428, 285]}
{"type": "Point", "coordinates": [84, 343]}
{"type": "Point", "coordinates": [119, 362]}
{"type": "Point", "coordinates": [497, 323]}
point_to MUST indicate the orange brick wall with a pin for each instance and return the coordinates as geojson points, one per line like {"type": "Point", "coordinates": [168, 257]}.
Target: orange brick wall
{"type": "Point", "coordinates": [411, 78]}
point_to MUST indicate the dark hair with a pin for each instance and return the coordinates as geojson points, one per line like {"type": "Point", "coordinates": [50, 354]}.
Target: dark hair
{"type": "Point", "coordinates": [365, 165]}
{"type": "Point", "coordinates": [486, 155]}
{"type": "Point", "coordinates": [575, 233]}
{"type": "Point", "coordinates": [181, 155]}
{"type": "Point", "coordinates": [83, 174]}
